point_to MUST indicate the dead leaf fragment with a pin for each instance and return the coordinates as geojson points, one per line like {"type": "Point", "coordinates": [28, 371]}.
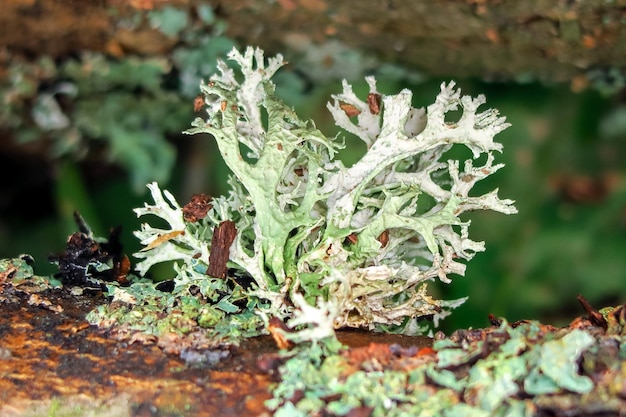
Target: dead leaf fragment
{"type": "Point", "coordinates": [197, 208]}
{"type": "Point", "coordinates": [162, 239]}
{"type": "Point", "coordinates": [277, 329]}
{"type": "Point", "coordinates": [349, 109]}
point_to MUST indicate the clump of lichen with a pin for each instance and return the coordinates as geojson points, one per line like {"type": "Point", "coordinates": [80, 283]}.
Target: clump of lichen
{"type": "Point", "coordinates": [323, 245]}
{"type": "Point", "coordinates": [518, 369]}
{"type": "Point", "coordinates": [311, 241]}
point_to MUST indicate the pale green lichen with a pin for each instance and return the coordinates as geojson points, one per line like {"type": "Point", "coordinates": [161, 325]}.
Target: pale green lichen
{"type": "Point", "coordinates": [19, 273]}
{"type": "Point", "coordinates": [326, 245]}
{"type": "Point", "coordinates": [508, 371]}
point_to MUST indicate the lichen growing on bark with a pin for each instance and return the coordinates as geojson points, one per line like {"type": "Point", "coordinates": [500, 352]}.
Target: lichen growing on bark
{"type": "Point", "coordinates": [324, 245]}
{"type": "Point", "coordinates": [517, 369]}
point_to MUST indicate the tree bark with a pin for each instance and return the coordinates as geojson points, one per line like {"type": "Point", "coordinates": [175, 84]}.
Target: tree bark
{"type": "Point", "coordinates": [546, 40]}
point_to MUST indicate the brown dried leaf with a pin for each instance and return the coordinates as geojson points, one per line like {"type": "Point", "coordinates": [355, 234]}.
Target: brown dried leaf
{"type": "Point", "coordinates": [349, 109]}
{"type": "Point", "coordinates": [278, 329]}
{"type": "Point", "coordinates": [162, 239]}
{"type": "Point", "coordinates": [197, 208]}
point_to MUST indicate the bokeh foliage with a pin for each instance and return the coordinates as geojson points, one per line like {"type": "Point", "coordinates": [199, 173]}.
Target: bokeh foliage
{"type": "Point", "coordinates": [565, 160]}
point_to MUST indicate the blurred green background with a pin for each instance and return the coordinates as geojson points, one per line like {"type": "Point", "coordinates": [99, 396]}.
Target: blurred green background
{"type": "Point", "coordinates": [87, 132]}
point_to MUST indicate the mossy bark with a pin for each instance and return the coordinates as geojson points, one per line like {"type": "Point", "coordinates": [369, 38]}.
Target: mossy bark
{"type": "Point", "coordinates": [547, 40]}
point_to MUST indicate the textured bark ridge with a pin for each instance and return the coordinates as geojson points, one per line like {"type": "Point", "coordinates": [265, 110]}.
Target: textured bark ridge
{"type": "Point", "coordinates": [549, 40]}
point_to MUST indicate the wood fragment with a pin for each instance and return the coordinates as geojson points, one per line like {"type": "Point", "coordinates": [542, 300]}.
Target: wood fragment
{"type": "Point", "coordinates": [197, 208]}
{"type": "Point", "coordinates": [223, 237]}
{"type": "Point", "coordinates": [352, 238]}
{"type": "Point", "coordinates": [384, 238]}
{"type": "Point", "coordinates": [594, 315]}
{"type": "Point", "coordinates": [373, 101]}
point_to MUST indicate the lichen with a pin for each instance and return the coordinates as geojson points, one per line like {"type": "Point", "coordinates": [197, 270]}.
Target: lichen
{"type": "Point", "coordinates": [325, 245]}
{"type": "Point", "coordinates": [517, 369]}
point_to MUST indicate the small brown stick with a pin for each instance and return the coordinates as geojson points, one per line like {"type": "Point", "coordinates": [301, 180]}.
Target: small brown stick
{"type": "Point", "coordinates": [373, 102]}
{"type": "Point", "coordinates": [223, 237]}
{"type": "Point", "coordinates": [594, 315]}
{"type": "Point", "coordinates": [277, 329]}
